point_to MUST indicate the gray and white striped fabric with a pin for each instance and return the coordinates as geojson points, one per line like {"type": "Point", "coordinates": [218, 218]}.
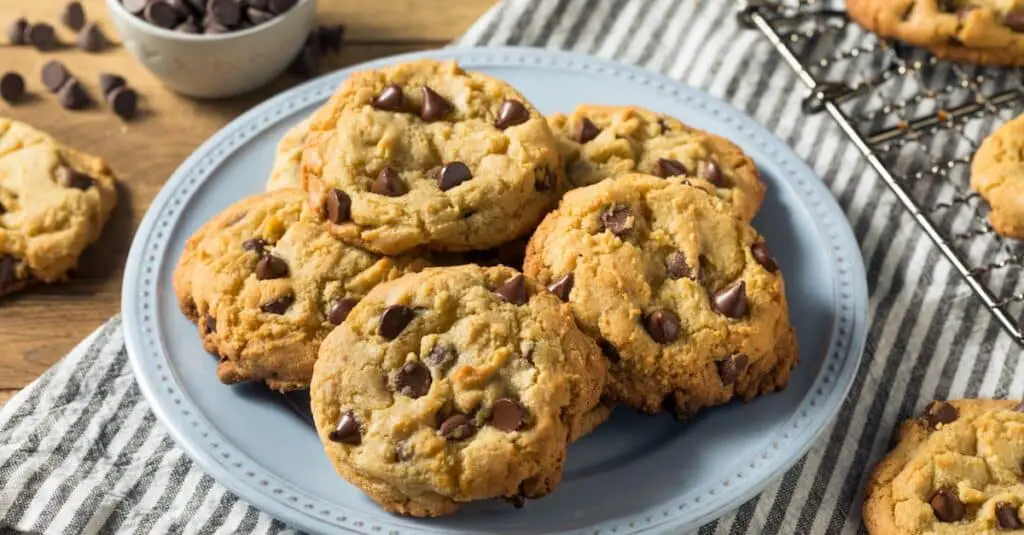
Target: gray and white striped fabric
{"type": "Point", "coordinates": [81, 452]}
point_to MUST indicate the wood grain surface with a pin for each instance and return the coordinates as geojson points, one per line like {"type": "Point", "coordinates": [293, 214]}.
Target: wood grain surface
{"type": "Point", "coordinates": [38, 326]}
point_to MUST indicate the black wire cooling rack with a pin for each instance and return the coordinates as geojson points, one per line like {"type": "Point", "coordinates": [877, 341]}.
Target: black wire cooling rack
{"type": "Point", "coordinates": [918, 121]}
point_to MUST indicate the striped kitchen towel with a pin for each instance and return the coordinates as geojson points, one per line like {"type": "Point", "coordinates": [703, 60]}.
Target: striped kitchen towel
{"type": "Point", "coordinates": [81, 452]}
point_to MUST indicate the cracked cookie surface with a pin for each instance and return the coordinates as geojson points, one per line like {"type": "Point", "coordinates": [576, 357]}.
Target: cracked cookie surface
{"type": "Point", "coordinates": [687, 303]}
{"type": "Point", "coordinates": [54, 202]}
{"type": "Point", "coordinates": [265, 282]}
{"type": "Point", "coordinates": [452, 385]}
{"type": "Point", "coordinates": [956, 469]}
{"type": "Point", "coordinates": [598, 142]}
{"type": "Point", "coordinates": [997, 174]}
{"type": "Point", "coordinates": [426, 154]}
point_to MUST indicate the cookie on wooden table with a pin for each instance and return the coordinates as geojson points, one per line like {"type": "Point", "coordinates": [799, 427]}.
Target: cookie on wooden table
{"type": "Point", "coordinates": [989, 32]}
{"type": "Point", "coordinates": [452, 385]}
{"type": "Point", "coordinates": [426, 154]}
{"type": "Point", "coordinates": [997, 174]}
{"type": "Point", "coordinates": [597, 142]}
{"type": "Point", "coordinates": [285, 172]}
{"type": "Point", "coordinates": [54, 202]}
{"type": "Point", "coordinates": [686, 301]}
{"type": "Point", "coordinates": [955, 469]}
{"type": "Point", "coordinates": [265, 282]}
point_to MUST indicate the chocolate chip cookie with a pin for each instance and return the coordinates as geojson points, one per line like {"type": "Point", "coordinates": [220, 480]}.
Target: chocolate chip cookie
{"type": "Point", "coordinates": [957, 468]}
{"type": "Point", "coordinates": [426, 154]}
{"type": "Point", "coordinates": [265, 282]}
{"type": "Point", "coordinates": [997, 174]}
{"type": "Point", "coordinates": [452, 385]}
{"type": "Point", "coordinates": [285, 172]}
{"type": "Point", "coordinates": [989, 32]}
{"type": "Point", "coordinates": [597, 142]}
{"type": "Point", "coordinates": [686, 301]}
{"type": "Point", "coordinates": [54, 202]}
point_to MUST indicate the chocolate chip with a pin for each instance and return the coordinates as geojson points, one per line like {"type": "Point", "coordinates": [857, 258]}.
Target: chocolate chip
{"type": "Point", "coordinates": [210, 323]}
{"type": "Point", "coordinates": [161, 13]}
{"type": "Point", "coordinates": [3, 209]}
{"type": "Point", "coordinates": [280, 6]}
{"type": "Point", "coordinates": [518, 501]}
{"type": "Point", "coordinates": [338, 206]}
{"type": "Point", "coordinates": [514, 291]}
{"type": "Point", "coordinates": [271, 267]}
{"type": "Point", "coordinates": [403, 452]}
{"type": "Point", "coordinates": [224, 12]}
{"type": "Point", "coordinates": [511, 113]}
{"type": "Point", "coordinates": [41, 36]}
{"type": "Point", "coordinates": [8, 271]}
{"type": "Point", "coordinates": [340, 309]}
{"type": "Point", "coordinates": [507, 415]}
{"type": "Point", "coordinates": [609, 351]}
{"type": "Point", "coordinates": [586, 130]}
{"type": "Point", "coordinates": [254, 244]}
{"type": "Point", "coordinates": [91, 38]}
{"type": "Point", "coordinates": [435, 107]}
{"type": "Point", "coordinates": [764, 256]}
{"type": "Point", "coordinates": [12, 88]}
{"type": "Point", "coordinates": [394, 320]}
{"type": "Point", "coordinates": [388, 183]}
{"type": "Point", "coordinates": [662, 325]}
{"type": "Point", "coordinates": [279, 305]}
{"type": "Point", "coordinates": [71, 178]}
{"type": "Point", "coordinates": [1006, 516]}
{"type": "Point", "coordinates": [678, 268]}
{"type": "Point", "coordinates": [440, 356]}
{"type": "Point", "coordinates": [413, 380]}
{"type": "Point", "coordinates": [453, 174]}
{"type": "Point", "coordinates": [189, 26]}
{"type": "Point", "coordinates": [665, 168]}
{"type": "Point", "coordinates": [732, 301]}
{"type": "Point", "coordinates": [732, 367]}
{"type": "Point", "coordinates": [16, 32]}
{"type": "Point", "coordinates": [662, 125]}
{"type": "Point", "coordinates": [73, 96]}
{"type": "Point", "coordinates": [562, 286]}
{"type": "Point", "coordinates": [940, 412]}
{"type": "Point", "coordinates": [347, 431]}
{"type": "Point", "coordinates": [305, 64]}
{"type": "Point", "coordinates": [54, 75]}
{"type": "Point", "coordinates": [457, 427]}
{"type": "Point", "coordinates": [329, 38]}
{"type": "Point", "coordinates": [73, 15]}
{"type": "Point", "coordinates": [258, 16]}
{"type": "Point", "coordinates": [617, 219]}
{"type": "Point", "coordinates": [947, 506]}
{"type": "Point", "coordinates": [1014, 20]}
{"type": "Point", "coordinates": [135, 7]}
{"type": "Point", "coordinates": [390, 98]}
{"type": "Point", "coordinates": [191, 8]}
{"type": "Point", "coordinates": [713, 174]}
{"type": "Point", "coordinates": [124, 101]}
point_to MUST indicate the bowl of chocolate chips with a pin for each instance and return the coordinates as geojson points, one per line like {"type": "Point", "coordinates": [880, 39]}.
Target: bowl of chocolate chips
{"type": "Point", "coordinates": [213, 48]}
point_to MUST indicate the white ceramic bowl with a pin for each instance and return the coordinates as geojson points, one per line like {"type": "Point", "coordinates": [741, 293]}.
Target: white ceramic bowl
{"type": "Point", "coordinates": [220, 65]}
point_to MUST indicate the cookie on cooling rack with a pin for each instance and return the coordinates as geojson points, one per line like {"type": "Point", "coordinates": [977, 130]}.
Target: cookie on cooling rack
{"type": "Point", "coordinates": [597, 142]}
{"type": "Point", "coordinates": [54, 202]}
{"type": "Point", "coordinates": [285, 171]}
{"type": "Point", "coordinates": [997, 174]}
{"type": "Point", "coordinates": [955, 469]}
{"type": "Point", "coordinates": [686, 301]}
{"type": "Point", "coordinates": [265, 282]}
{"type": "Point", "coordinates": [988, 32]}
{"type": "Point", "coordinates": [455, 384]}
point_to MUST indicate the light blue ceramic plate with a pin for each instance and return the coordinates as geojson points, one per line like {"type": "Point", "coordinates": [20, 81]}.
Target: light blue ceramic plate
{"type": "Point", "coordinates": [634, 474]}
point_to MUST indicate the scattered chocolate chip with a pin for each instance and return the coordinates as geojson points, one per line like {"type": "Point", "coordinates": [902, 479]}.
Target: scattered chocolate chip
{"type": "Point", "coordinates": [124, 101]}
{"type": "Point", "coordinates": [73, 15]}
{"type": "Point", "coordinates": [347, 431]}
{"type": "Point", "coordinates": [329, 38]}
{"type": "Point", "coordinates": [435, 107]}
{"type": "Point", "coordinates": [16, 32]}
{"type": "Point", "coordinates": [73, 96]}
{"type": "Point", "coordinates": [279, 305]}
{"type": "Point", "coordinates": [511, 113]}
{"type": "Point", "coordinates": [586, 130]}
{"type": "Point", "coordinates": [440, 356]}
{"type": "Point", "coordinates": [71, 178]}
{"type": "Point", "coordinates": [665, 168]}
{"type": "Point", "coordinates": [271, 267]}
{"type": "Point", "coordinates": [457, 427]}
{"type": "Point", "coordinates": [162, 14]}
{"type": "Point", "coordinates": [947, 506]}
{"type": "Point", "coordinates": [1006, 516]}
{"type": "Point", "coordinates": [677, 268]}
{"type": "Point", "coordinates": [713, 174]}
{"type": "Point", "coordinates": [390, 98]}
{"type": "Point", "coordinates": [413, 380]}
{"type": "Point", "coordinates": [732, 367]}
{"type": "Point", "coordinates": [280, 6]}
{"type": "Point", "coordinates": [662, 325]}
{"type": "Point", "coordinates": [254, 244]}
{"type": "Point", "coordinates": [1014, 20]}
{"type": "Point", "coordinates": [732, 301]}
{"type": "Point", "coordinates": [507, 415]}
{"type": "Point", "coordinates": [8, 271]}
{"type": "Point", "coordinates": [12, 88]}
{"type": "Point", "coordinates": [54, 75]}
{"type": "Point", "coordinates": [210, 323]}
{"type": "Point", "coordinates": [514, 291]}
{"type": "Point", "coordinates": [224, 12]}
{"type": "Point", "coordinates": [135, 7]}
{"type": "Point", "coordinates": [940, 412]}
{"type": "Point", "coordinates": [617, 219]}
{"type": "Point", "coordinates": [562, 286]}
{"type": "Point", "coordinates": [340, 309]}
{"type": "Point", "coordinates": [305, 64]}
{"type": "Point", "coordinates": [388, 183]}
{"type": "Point", "coordinates": [764, 256]}
{"type": "Point", "coordinates": [91, 38]}
{"type": "Point", "coordinates": [453, 174]}
{"type": "Point", "coordinates": [258, 16]}
{"type": "Point", "coordinates": [394, 320]}
{"type": "Point", "coordinates": [337, 206]}
{"type": "Point", "coordinates": [41, 36]}
{"type": "Point", "coordinates": [609, 351]}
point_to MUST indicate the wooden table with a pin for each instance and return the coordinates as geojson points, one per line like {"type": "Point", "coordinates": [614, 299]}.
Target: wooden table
{"type": "Point", "coordinates": [37, 327]}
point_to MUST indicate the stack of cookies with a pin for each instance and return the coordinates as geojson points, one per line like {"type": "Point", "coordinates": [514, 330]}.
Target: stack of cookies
{"type": "Point", "coordinates": [466, 286]}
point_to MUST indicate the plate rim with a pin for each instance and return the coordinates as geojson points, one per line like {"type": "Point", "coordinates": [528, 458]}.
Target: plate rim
{"type": "Point", "coordinates": [845, 342]}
